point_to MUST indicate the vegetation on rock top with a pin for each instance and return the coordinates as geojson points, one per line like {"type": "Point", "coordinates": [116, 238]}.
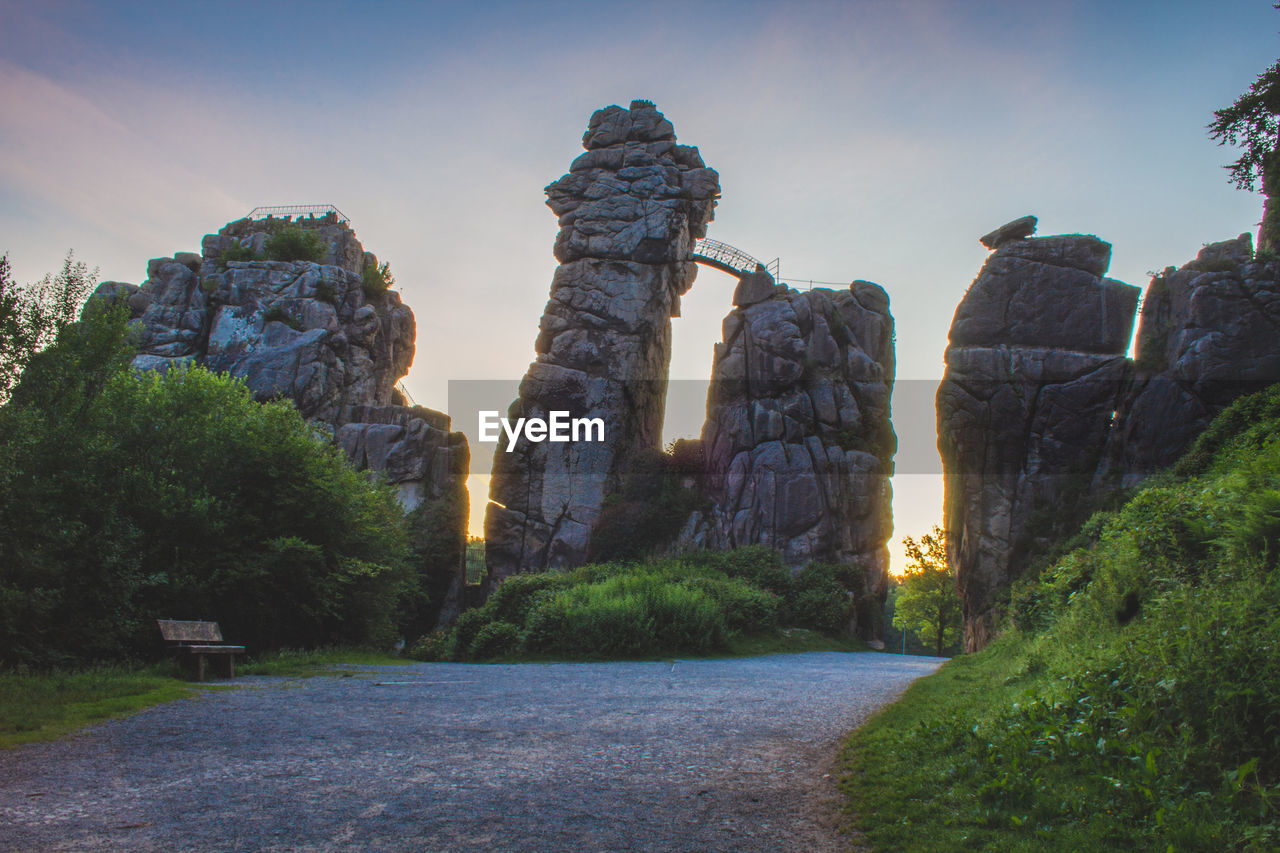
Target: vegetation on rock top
{"type": "Point", "coordinates": [292, 243]}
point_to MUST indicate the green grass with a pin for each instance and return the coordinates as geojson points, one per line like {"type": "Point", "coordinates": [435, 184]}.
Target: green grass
{"type": "Point", "coordinates": [46, 706]}
{"type": "Point", "coordinates": [1133, 700]}
{"type": "Point", "coordinates": [791, 641]}
{"type": "Point", "coordinates": [305, 664]}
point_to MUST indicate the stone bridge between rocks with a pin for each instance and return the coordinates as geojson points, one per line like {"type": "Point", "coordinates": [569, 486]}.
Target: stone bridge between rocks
{"type": "Point", "coordinates": [726, 258]}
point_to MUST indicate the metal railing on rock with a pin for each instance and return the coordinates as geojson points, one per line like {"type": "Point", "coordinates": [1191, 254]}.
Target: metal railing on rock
{"type": "Point", "coordinates": [730, 259]}
{"type": "Point", "coordinates": [298, 211]}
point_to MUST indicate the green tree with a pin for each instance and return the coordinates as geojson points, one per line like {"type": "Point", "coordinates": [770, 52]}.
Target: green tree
{"type": "Point", "coordinates": [1253, 122]}
{"type": "Point", "coordinates": [928, 603]}
{"type": "Point", "coordinates": [125, 498]}
{"type": "Point", "coordinates": [31, 316]}
{"type": "Point", "coordinates": [18, 334]}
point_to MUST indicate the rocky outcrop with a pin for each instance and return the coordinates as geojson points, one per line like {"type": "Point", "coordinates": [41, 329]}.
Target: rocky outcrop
{"type": "Point", "coordinates": [1210, 332]}
{"type": "Point", "coordinates": [307, 332]}
{"type": "Point", "coordinates": [630, 209]}
{"type": "Point", "coordinates": [1035, 369]}
{"type": "Point", "coordinates": [797, 446]}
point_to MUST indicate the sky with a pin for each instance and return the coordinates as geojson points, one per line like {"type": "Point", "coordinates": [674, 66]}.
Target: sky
{"type": "Point", "coordinates": [869, 139]}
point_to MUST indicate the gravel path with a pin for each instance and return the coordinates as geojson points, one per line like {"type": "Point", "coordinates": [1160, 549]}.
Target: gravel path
{"type": "Point", "coordinates": [729, 755]}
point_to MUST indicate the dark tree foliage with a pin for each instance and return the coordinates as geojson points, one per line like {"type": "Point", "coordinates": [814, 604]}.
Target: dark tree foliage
{"type": "Point", "coordinates": [645, 513]}
{"type": "Point", "coordinates": [437, 548]}
{"type": "Point", "coordinates": [125, 498]}
{"type": "Point", "coordinates": [31, 316]}
{"type": "Point", "coordinates": [1253, 123]}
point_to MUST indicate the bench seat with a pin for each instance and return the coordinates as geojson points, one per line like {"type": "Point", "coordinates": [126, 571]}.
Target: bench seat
{"type": "Point", "coordinates": [199, 640]}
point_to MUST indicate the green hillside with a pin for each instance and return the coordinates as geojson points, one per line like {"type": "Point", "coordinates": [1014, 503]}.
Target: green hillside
{"type": "Point", "coordinates": [1133, 700]}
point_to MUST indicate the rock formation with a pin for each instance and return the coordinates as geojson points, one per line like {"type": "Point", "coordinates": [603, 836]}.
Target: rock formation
{"type": "Point", "coordinates": [1034, 372]}
{"type": "Point", "coordinates": [1208, 334]}
{"type": "Point", "coordinates": [798, 446]}
{"type": "Point", "coordinates": [308, 332]}
{"type": "Point", "coordinates": [630, 209]}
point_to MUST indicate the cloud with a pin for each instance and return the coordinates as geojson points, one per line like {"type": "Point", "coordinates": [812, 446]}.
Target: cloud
{"type": "Point", "coordinates": [61, 151]}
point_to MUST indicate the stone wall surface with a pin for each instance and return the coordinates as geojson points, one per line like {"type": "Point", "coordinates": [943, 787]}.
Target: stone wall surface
{"type": "Point", "coordinates": [1209, 333]}
{"type": "Point", "coordinates": [629, 211]}
{"type": "Point", "coordinates": [1035, 367]}
{"type": "Point", "coordinates": [1040, 411]}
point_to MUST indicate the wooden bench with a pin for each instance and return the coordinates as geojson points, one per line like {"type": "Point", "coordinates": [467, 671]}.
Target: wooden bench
{"type": "Point", "coordinates": [199, 640]}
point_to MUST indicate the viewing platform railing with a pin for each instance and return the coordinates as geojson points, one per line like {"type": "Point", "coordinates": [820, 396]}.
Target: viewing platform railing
{"type": "Point", "coordinates": [730, 258]}
{"type": "Point", "coordinates": [298, 211]}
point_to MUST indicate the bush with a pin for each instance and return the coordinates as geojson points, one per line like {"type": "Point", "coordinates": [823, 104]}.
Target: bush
{"type": "Point", "coordinates": [466, 627]}
{"type": "Point", "coordinates": [237, 252]}
{"type": "Point", "coordinates": [516, 596]}
{"type": "Point", "coordinates": [494, 640]}
{"type": "Point", "coordinates": [292, 243]}
{"type": "Point", "coordinates": [689, 605]}
{"type": "Point", "coordinates": [377, 278]}
{"type": "Point", "coordinates": [626, 616]}
{"type": "Point", "coordinates": [327, 292]}
{"type": "Point", "coordinates": [824, 597]}
{"type": "Point", "coordinates": [433, 647]}
{"type": "Point", "coordinates": [1244, 427]}
{"type": "Point", "coordinates": [745, 608]}
{"type": "Point", "coordinates": [277, 314]}
{"type": "Point", "coordinates": [647, 511]}
{"type": "Point", "coordinates": [176, 495]}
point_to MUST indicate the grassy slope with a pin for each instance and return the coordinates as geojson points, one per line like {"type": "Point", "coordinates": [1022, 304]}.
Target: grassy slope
{"type": "Point", "coordinates": [1134, 700]}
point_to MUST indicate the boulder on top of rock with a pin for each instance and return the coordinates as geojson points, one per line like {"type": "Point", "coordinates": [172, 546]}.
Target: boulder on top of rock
{"type": "Point", "coordinates": [1018, 229]}
{"type": "Point", "coordinates": [753, 287]}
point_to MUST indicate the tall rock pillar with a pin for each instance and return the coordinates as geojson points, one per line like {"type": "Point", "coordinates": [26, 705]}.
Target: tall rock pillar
{"type": "Point", "coordinates": [797, 446]}
{"type": "Point", "coordinates": [1035, 370]}
{"type": "Point", "coordinates": [630, 209]}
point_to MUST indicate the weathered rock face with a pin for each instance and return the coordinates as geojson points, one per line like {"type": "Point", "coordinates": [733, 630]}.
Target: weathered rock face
{"type": "Point", "coordinates": [1210, 332]}
{"type": "Point", "coordinates": [309, 333]}
{"type": "Point", "coordinates": [300, 330]}
{"type": "Point", "coordinates": [798, 445]}
{"type": "Point", "coordinates": [1035, 371]}
{"type": "Point", "coordinates": [630, 209]}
